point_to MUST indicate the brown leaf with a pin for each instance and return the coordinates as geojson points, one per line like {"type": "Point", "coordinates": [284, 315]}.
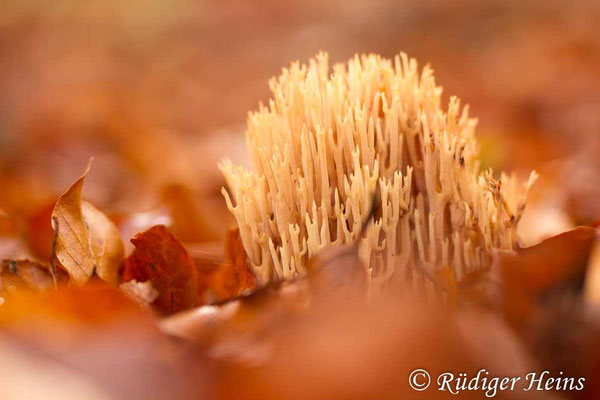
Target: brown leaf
{"type": "Point", "coordinates": [160, 258]}
{"type": "Point", "coordinates": [530, 273]}
{"type": "Point", "coordinates": [20, 274]}
{"type": "Point", "coordinates": [107, 247]}
{"type": "Point", "coordinates": [87, 240]}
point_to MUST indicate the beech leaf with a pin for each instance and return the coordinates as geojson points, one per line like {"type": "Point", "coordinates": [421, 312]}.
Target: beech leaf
{"type": "Point", "coordinates": [87, 240]}
{"type": "Point", "coordinates": [161, 259]}
{"type": "Point", "coordinates": [105, 239]}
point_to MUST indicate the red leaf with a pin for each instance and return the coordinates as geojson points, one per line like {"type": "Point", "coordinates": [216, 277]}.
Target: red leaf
{"type": "Point", "coordinates": [161, 259]}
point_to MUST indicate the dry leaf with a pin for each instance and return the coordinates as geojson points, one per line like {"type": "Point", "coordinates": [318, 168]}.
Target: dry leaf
{"type": "Point", "coordinates": [107, 247]}
{"type": "Point", "coordinates": [160, 258]}
{"type": "Point", "coordinates": [530, 273]}
{"type": "Point", "coordinates": [21, 274]}
{"type": "Point", "coordinates": [87, 240]}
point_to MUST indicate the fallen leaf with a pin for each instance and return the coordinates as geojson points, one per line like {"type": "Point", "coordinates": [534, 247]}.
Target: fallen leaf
{"type": "Point", "coordinates": [87, 241]}
{"type": "Point", "coordinates": [161, 259]}
{"type": "Point", "coordinates": [73, 247]}
{"type": "Point", "coordinates": [107, 247]}
{"type": "Point", "coordinates": [19, 274]}
{"type": "Point", "coordinates": [531, 273]}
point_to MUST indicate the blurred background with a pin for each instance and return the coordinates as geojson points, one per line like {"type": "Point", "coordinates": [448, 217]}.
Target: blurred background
{"type": "Point", "coordinates": [158, 92]}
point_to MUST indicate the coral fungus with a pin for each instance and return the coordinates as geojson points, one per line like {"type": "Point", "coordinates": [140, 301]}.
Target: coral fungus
{"type": "Point", "coordinates": [329, 143]}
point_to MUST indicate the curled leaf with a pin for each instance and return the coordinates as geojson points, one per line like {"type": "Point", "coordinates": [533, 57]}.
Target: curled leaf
{"type": "Point", "coordinates": [86, 241]}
